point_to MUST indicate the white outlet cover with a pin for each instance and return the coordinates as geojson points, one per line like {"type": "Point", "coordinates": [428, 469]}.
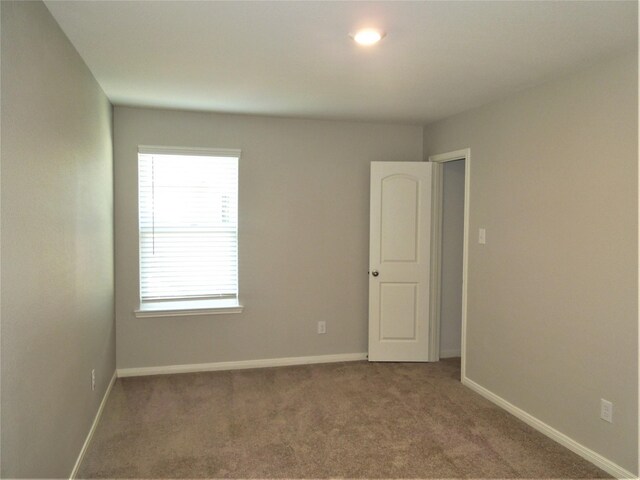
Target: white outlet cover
{"type": "Point", "coordinates": [606, 410]}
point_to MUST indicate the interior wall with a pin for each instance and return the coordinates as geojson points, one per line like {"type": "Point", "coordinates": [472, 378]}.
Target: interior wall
{"type": "Point", "coordinates": [552, 297]}
{"type": "Point", "coordinates": [56, 246]}
{"type": "Point", "coordinates": [451, 272]}
{"type": "Point", "coordinates": [303, 235]}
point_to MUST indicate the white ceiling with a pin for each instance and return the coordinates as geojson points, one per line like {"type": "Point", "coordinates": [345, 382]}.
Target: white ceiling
{"type": "Point", "coordinates": [296, 58]}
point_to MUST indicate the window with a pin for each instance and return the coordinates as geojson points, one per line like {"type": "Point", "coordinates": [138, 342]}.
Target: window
{"type": "Point", "coordinates": [188, 231]}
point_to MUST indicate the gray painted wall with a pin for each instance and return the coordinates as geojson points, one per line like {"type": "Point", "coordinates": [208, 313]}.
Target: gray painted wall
{"type": "Point", "coordinates": [552, 322]}
{"type": "Point", "coordinates": [452, 243]}
{"type": "Point", "coordinates": [553, 295]}
{"type": "Point", "coordinates": [57, 245]}
{"type": "Point", "coordinates": [303, 235]}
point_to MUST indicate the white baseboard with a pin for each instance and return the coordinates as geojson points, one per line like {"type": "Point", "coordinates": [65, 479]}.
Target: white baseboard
{"type": "Point", "coordinates": [450, 353]}
{"type": "Point", "coordinates": [242, 364]}
{"type": "Point", "coordinates": [96, 419]}
{"type": "Point", "coordinates": [598, 460]}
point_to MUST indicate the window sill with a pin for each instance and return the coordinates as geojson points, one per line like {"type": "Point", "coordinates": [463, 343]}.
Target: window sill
{"type": "Point", "coordinates": [188, 308]}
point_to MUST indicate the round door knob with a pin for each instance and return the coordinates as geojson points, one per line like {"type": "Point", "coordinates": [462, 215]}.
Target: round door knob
{"type": "Point", "coordinates": [375, 273]}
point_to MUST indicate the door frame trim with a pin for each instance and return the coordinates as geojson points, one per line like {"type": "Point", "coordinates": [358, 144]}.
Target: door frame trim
{"type": "Point", "coordinates": [436, 253]}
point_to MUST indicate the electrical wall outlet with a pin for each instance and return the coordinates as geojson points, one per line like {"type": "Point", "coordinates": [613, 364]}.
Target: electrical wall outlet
{"type": "Point", "coordinates": [322, 327]}
{"type": "Point", "coordinates": [93, 379]}
{"type": "Point", "coordinates": [606, 410]}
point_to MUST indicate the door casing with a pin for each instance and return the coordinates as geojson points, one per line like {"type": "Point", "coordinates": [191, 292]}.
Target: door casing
{"type": "Point", "coordinates": [436, 253]}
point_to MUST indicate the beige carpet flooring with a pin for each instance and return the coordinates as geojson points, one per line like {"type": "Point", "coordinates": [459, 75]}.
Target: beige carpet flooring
{"type": "Point", "coordinates": [342, 420]}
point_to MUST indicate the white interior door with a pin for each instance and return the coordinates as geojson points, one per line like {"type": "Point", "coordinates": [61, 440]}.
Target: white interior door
{"type": "Point", "coordinates": [399, 261]}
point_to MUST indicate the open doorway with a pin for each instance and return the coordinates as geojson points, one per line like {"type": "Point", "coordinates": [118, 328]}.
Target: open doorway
{"type": "Point", "coordinates": [451, 258]}
{"type": "Point", "coordinates": [449, 254]}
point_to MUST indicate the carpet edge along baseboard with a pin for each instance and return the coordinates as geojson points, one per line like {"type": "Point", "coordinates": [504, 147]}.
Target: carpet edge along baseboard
{"type": "Point", "coordinates": [595, 458]}
{"type": "Point", "coordinates": [241, 364]}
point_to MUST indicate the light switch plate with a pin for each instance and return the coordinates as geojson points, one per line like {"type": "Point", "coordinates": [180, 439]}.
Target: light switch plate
{"type": "Point", "coordinates": [482, 236]}
{"type": "Point", "coordinates": [606, 410]}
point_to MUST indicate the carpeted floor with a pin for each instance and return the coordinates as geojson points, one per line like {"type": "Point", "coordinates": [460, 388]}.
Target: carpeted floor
{"type": "Point", "coordinates": [349, 420]}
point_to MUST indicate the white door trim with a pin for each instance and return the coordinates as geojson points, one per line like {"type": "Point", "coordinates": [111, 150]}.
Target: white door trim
{"type": "Point", "coordinates": [434, 337]}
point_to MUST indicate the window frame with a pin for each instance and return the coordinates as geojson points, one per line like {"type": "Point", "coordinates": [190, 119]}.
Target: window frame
{"type": "Point", "coordinates": [172, 307]}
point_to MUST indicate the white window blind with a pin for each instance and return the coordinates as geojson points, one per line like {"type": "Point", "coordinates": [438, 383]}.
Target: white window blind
{"type": "Point", "coordinates": [188, 226]}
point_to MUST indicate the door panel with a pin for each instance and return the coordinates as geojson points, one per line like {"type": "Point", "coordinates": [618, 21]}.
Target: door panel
{"type": "Point", "coordinates": [399, 261]}
{"type": "Point", "coordinates": [398, 303]}
{"type": "Point", "coordinates": [399, 222]}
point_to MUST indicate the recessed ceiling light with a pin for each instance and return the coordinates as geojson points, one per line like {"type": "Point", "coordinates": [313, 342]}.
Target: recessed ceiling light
{"type": "Point", "coordinates": [368, 36]}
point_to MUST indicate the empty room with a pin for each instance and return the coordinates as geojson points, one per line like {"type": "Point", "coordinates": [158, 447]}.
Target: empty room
{"type": "Point", "coordinates": [319, 239]}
